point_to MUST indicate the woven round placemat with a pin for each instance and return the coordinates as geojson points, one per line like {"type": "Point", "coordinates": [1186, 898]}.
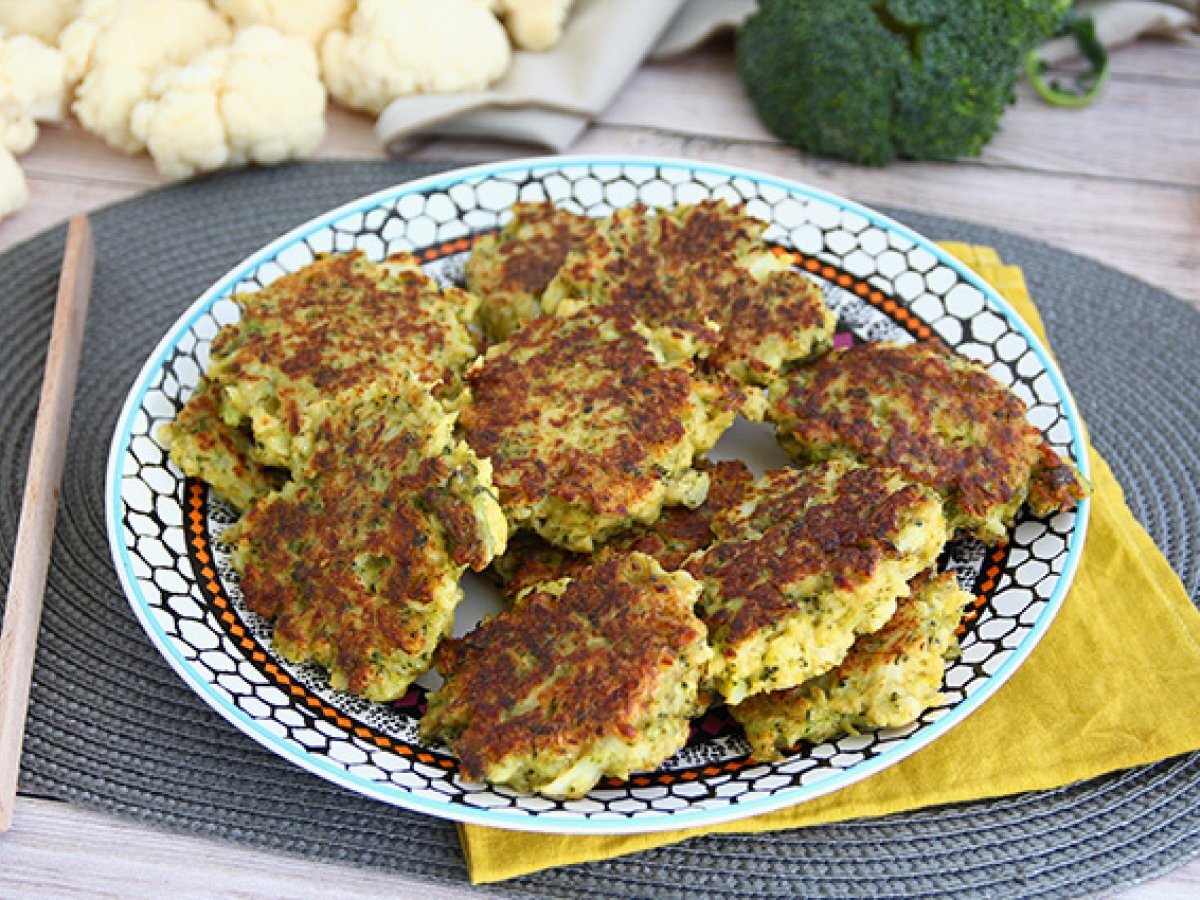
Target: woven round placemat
{"type": "Point", "coordinates": [112, 727]}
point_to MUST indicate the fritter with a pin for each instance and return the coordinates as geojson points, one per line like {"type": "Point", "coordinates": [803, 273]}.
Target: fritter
{"type": "Point", "coordinates": [590, 426]}
{"type": "Point", "coordinates": [509, 270]}
{"type": "Point", "coordinates": [583, 677]}
{"type": "Point", "coordinates": [334, 325]}
{"type": "Point", "coordinates": [938, 418]}
{"type": "Point", "coordinates": [204, 447]}
{"type": "Point", "coordinates": [701, 266]}
{"type": "Point", "coordinates": [810, 559]}
{"type": "Point", "coordinates": [886, 680]}
{"type": "Point", "coordinates": [358, 560]}
{"type": "Point", "coordinates": [671, 539]}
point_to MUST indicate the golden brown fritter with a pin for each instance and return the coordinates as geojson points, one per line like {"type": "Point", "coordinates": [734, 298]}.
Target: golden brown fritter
{"type": "Point", "coordinates": [336, 324]}
{"type": "Point", "coordinates": [697, 266]}
{"type": "Point", "coordinates": [937, 417]}
{"type": "Point", "coordinates": [810, 559]}
{"type": "Point", "coordinates": [509, 270]}
{"type": "Point", "coordinates": [671, 539]}
{"type": "Point", "coordinates": [886, 680]}
{"type": "Point", "coordinates": [590, 427]}
{"type": "Point", "coordinates": [583, 677]}
{"type": "Point", "coordinates": [204, 447]}
{"type": "Point", "coordinates": [776, 319]}
{"type": "Point", "coordinates": [358, 560]}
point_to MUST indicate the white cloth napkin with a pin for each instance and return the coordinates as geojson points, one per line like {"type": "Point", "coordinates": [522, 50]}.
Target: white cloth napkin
{"type": "Point", "coordinates": [549, 98]}
{"type": "Point", "coordinates": [698, 22]}
{"type": "Point", "coordinates": [1120, 22]}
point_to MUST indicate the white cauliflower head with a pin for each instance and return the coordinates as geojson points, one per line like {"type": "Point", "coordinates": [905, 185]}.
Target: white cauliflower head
{"type": "Point", "coordinates": [399, 47]}
{"type": "Point", "coordinates": [44, 19]}
{"type": "Point", "coordinates": [115, 48]}
{"type": "Point", "coordinates": [308, 19]}
{"type": "Point", "coordinates": [534, 24]}
{"type": "Point", "coordinates": [259, 100]}
{"type": "Point", "coordinates": [14, 193]}
{"type": "Point", "coordinates": [17, 134]}
{"type": "Point", "coordinates": [33, 87]}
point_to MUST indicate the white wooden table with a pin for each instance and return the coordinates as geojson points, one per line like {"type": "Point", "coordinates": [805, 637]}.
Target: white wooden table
{"type": "Point", "coordinates": [1119, 182]}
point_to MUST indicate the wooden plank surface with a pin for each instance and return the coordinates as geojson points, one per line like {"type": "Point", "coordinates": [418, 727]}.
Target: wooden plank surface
{"type": "Point", "coordinates": [1119, 182]}
{"type": "Point", "coordinates": [57, 850]}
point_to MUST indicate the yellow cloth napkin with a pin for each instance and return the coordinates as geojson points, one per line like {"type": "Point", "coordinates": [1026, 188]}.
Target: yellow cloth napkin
{"type": "Point", "coordinates": [1114, 683]}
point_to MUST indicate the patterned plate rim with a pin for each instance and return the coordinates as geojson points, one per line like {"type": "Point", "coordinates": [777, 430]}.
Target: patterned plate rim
{"type": "Point", "coordinates": [641, 822]}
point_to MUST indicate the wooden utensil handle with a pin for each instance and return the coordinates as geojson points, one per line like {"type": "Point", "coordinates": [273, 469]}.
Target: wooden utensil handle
{"type": "Point", "coordinates": [35, 533]}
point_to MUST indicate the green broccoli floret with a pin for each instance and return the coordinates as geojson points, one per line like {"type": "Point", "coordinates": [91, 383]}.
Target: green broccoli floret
{"type": "Point", "coordinates": [867, 80]}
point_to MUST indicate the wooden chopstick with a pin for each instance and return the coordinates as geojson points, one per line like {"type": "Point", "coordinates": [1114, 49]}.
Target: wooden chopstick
{"type": "Point", "coordinates": [35, 533]}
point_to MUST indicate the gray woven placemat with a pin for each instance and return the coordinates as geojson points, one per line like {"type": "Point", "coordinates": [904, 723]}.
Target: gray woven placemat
{"type": "Point", "coordinates": [112, 727]}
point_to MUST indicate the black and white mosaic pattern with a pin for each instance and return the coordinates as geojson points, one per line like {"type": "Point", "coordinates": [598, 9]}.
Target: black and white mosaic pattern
{"type": "Point", "coordinates": [882, 281]}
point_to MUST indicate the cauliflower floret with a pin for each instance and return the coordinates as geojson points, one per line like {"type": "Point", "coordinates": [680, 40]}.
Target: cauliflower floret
{"type": "Point", "coordinates": [13, 191]}
{"type": "Point", "coordinates": [32, 88]}
{"type": "Point", "coordinates": [117, 46]}
{"type": "Point", "coordinates": [534, 24]}
{"type": "Point", "coordinates": [308, 19]}
{"type": "Point", "coordinates": [17, 134]}
{"type": "Point", "coordinates": [398, 47]}
{"type": "Point", "coordinates": [258, 100]}
{"type": "Point", "coordinates": [44, 19]}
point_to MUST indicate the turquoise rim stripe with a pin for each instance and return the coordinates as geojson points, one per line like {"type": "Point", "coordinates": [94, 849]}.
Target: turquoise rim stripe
{"type": "Point", "coordinates": [560, 823]}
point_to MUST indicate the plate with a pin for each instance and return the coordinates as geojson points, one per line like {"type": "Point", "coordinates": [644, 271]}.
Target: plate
{"type": "Point", "coordinates": [884, 282]}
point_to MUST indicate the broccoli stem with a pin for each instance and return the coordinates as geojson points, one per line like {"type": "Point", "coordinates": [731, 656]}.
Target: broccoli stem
{"type": "Point", "coordinates": [1085, 86]}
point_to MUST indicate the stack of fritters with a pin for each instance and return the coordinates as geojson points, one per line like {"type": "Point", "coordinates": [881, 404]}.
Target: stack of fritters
{"type": "Point", "coordinates": [337, 324]}
{"type": "Point", "coordinates": [810, 559]}
{"type": "Point", "coordinates": [592, 425]}
{"type": "Point", "coordinates": [644, 580]}
{"type": "Point", "coordinates": [358, 559]}
{"type": "Point", "coordinates": [583, 677]}
{"type": "Point", "coordinates": [887, 679]}
{"type": "Point", "coordinates": [676, 534]}
{"type": "Point", "coordinates": [338, 377]}
{"type": "Point", "coordinates": [935, 416]}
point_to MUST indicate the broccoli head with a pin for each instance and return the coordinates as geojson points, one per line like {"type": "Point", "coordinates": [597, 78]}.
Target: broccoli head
{"type": "Point", "coordinates": [869, 80]}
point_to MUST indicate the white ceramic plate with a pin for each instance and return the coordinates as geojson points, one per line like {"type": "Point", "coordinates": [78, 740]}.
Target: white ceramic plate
{"type": "Point", "coordinates": [882, 280]}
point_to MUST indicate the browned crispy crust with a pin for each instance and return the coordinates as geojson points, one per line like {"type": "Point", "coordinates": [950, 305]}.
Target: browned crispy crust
{"type": "Point", "coordinates": [513, 389]}
{"type": "Point", "coordinates": [599, 653]}
{"type": "Point", "coordinates": [935, 416]}
{"type": "Point", "coordinates": [1055, 485]}
{"type": "Point", "coordinates": [306, 558]}
{"type": "Point", "coordinates": [779, 308]}
{"type": "Point", "coordinates": [585, 374]}
{"type": "Point", "coordinates": [680, 268]}
{"type": "Point", "coordinates": [799, 527]}
{"type": "Point", "coordinates": [368, 498]}
{"type": "Point", "coordinates": [678, 533]}
{"type": "Point", "coordinates": [667, 268]}
{"type": "Point", "coordinates": [218, 453]}
{"type": "Point", "coordinates": [517, 265]}
{"type": "Point", "coordinates": [333, 325]}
